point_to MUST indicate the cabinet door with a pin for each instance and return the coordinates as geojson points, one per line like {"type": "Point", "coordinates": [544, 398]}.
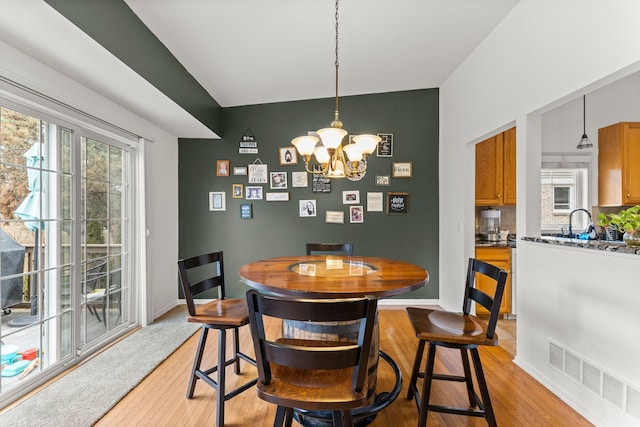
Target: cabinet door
{"type": "Point", "coordinates": [489, 156]}
{"type": "Point", "coordinates": [509, 167]}
{"type": "Point", "coordinates": [631, 170]}
{"type": "Point", "coordinates": [500, 257]}
{"type": "Point", "coordinates": [610, 149]}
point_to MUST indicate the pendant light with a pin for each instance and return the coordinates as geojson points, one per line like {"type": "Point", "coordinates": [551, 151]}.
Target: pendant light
{"type": "Point", "coordinates": [584, 141]}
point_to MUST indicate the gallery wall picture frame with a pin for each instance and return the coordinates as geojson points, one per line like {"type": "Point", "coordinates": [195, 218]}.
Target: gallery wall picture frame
{"type": "Point", "coordinates": [280, 196]}
{"type": "Point", "coordinates": [217, 201]}
{"type": "Point", "coordinates": [246, 211]}
{"type": "Point", "coordinates": [253, 192]}
{"type": "Point", "coordinates": [222, 168]}
{"type": "Point", "coordinates": [356, 214]}
{"type": "Point", "coordinates": [334, 217]}
{"type": "Point", "coordinates": [350, 197]}
{"type": "Point", "coordinates": [288, 156]}
{"type": "Point", "coordinates": [258, 173]}
{"type": "Point", "coordinates": [375, 201]}
{"type": "Point", "coordinates": [397, 203]}
{"type": "Point", "coordinates": [299, 179]}
{"type": "Point", "coordinates": [385, 146]}
{"type": "Point", "coordinates": [402, 169]}
{"type": "Point", "coordinates": [236, 191]}
{"type": "Point", "coordinates": [383, 180]}
{"type": "Point", "coordinates": [307, 208]}
{"type": "Point", "coordinates": [239, 170]}
{"type": "Point", "coordinates": [278, 180]}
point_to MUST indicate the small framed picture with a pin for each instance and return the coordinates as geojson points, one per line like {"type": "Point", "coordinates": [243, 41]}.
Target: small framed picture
{"type": "Point", "coordinates": [350, 197]}
{"type": "Point", "coordinates": [356, 214]}
{"type": "Point", "coordinates": [236, 191]}
{"type": "Point", "coordinates": [288, 156]}
{"type": "Point", "coordinates": [401, 170]}
{"type": "Point", "coordinates": [385, 146]}
{"type": "Point", "coordinates": [258, 174]}
{"type": "Point", "coordinates": [299, 179]}
{"type": "Point", "coordinates": [253, 192]}
{"type": "Point", "coordinates": [334, 217]}
{"type": "Point", "coordinates": [307, 208]}
{"type": "Point", "coordinates": [280, 196]}
{"type": "Point", "coordinates": [397, 203]}
{"type": "Point", "coordinates": [222, 168]}
{"type": "Point", "coordinates": [383, 180]}
{"type": "Point", "coordinates": [278, 180]}
{"type": "Point", "coordinates": [246, 211]}
{"type": "Point", "coordinates": [240, 170]}
{"type": "Point", "coordinates": [217, 201]}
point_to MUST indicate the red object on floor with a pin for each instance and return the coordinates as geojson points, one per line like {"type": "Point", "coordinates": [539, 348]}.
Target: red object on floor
{"type": "Point", "coordinates": [29, 354]}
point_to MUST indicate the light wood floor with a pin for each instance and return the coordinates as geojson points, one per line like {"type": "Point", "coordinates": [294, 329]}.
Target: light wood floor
{"type": "Point", "coordinates": [518, 399]}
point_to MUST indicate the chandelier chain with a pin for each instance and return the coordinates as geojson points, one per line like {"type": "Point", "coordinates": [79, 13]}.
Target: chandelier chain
{"type": "Point", "coordinates": [337, 63]}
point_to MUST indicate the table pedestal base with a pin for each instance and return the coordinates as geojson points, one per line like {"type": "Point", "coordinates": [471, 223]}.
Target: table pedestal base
{"type": "Point", "coordinates": [361, 416]}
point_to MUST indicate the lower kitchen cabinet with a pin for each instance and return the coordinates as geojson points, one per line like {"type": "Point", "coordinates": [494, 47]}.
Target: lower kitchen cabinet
{"type": "Point", "coordinates": [500, 257]}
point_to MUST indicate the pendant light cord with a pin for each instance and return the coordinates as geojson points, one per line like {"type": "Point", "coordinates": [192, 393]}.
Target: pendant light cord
{"type": "Point", "coordinates": [584, 114]}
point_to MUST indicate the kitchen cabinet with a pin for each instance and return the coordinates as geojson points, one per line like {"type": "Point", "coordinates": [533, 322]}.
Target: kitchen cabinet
{"type": "Point", "coordinates": [500, 257]}
{"type": "Point", "coordinates": [496, 170]}
{"type": "Point", "coordinates": [618, 160]}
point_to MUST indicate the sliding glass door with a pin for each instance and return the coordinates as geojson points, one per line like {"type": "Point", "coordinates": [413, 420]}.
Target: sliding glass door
{"type": "Point", "coordinates": [65, 214]}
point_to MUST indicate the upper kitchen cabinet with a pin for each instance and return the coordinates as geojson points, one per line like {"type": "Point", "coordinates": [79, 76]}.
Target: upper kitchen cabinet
{"type": "Point", "coordinates": [618, 160]}
{"type": "Point", "coordinates": [496, 170]}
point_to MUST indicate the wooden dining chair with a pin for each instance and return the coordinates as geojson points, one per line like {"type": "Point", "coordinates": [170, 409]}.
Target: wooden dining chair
{"type": "Point", "coordinates": [197, 275]}
{"type": "Point", "coordinates": [342, 248]}
{"type": "Point", "coordinates": [312, 375]}
{"type": "Point", "coordinates": [461, 331]}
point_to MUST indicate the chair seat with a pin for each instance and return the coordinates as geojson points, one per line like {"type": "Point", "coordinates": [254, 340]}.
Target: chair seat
{"type": "Point", "coordinates": [312, 389]}
{"type": "Point", "coordinates": [455, 328]}
{"type": "Point", "coordinates": [226, 312]}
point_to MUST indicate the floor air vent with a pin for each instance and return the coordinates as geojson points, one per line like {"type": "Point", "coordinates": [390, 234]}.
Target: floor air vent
{"type": "Point", "coordinates": [605, 385]}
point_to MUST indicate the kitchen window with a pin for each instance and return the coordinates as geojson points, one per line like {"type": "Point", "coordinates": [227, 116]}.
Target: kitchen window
{"type": "Point", "coordinates": [563, 189]}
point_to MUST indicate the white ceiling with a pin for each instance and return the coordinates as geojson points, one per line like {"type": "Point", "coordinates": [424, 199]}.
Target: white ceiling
{"type": "Point", "coordinates": [255, 51]}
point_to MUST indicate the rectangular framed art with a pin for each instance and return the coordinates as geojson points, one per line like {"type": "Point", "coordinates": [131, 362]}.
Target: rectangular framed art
{"type": "Point", "coordinates": [402, 170]}
{"type": "Point", "coordinates": [397, 203]}
{"type": "Point", "coordinates": [217, 201]}
{"type": "Point", "coordinates": [288, 156]}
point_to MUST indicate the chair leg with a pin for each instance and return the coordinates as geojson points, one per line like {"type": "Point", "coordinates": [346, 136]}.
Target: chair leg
{"type": "Point", "coordinates": [467, 376]}
{"type": "Point", "coordinates": [280, 415]}
{"type": "Point", "coordinates": [288, 417]}
{"type": "Point", "coordinates": [342, 418]}
{"type": "Point", "coordinates": [236, 350]}
{"type": "Point", "coordinates": [220, 392]}
{"type": "Point", "coordinates": [416, 369]}
{"type": "Point", "coordinates": [484, 390]}
{"type": "Point", "coordinates": [426, 386]}
{"type": "Point", "coordinates": [196, 362]}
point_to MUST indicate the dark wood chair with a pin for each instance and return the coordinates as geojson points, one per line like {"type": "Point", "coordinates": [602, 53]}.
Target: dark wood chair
{"type": "Point", "coordinates": [197, 275]}
{"type": "Point", "coordinates": [342, 248]}
{"type": "Point", "coordinates": [462, 331]}
{"type": "Point", "coordinates": [312, 375]}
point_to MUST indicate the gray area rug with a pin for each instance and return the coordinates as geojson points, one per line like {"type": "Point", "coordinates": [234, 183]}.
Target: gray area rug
{"type": "Point", "coordinates": [81, 397]}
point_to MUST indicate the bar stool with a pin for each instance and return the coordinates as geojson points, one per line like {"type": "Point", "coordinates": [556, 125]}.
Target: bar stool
{"type": "Point", "coordinates": [343, 248]}
{"type": "Point", "coordinates": [207, 272]}
{"type": "Point", "coordinates": [460, 331]}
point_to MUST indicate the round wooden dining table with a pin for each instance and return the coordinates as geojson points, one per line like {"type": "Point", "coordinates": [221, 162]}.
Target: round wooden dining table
{"type": "Point", "coordinates": [336, 276]}
{"type": "Point", "coordinates": [333, 276]}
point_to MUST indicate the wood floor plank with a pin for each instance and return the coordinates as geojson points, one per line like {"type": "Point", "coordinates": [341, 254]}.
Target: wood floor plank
{"type": "Point", "coordinates": [518, 399]}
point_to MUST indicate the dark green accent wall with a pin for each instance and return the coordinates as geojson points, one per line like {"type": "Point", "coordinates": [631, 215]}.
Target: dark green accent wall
{"type": "Point", "coordinates": [114, 25]}
{"type": "Point", "coordinates": [276, 229]}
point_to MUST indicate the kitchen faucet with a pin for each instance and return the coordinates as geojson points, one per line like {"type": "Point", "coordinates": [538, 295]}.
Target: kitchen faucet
{"type": "Point", "coordinates": [590, 228]}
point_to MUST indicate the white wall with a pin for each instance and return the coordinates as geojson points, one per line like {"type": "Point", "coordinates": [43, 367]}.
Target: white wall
{"type": "Point", "coordinates": [544, 53]}
{"type": "Point", "coordinates": [161, 169]}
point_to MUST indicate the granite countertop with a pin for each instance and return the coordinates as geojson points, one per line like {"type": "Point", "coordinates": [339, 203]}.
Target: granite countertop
{"type": "Point", "coordinates": [500, 244]}
{"type": "Point", "coordinates": [599, 245]}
